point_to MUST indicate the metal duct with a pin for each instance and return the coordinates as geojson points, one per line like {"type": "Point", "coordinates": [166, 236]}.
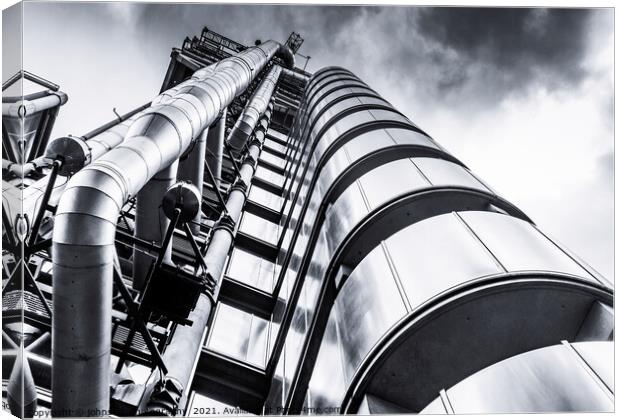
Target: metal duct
{"type": "Point", "coordinates": [192, 169]}
{"type": "Point", "coordinates": [255, 108]}
{"type": "Point", "coordinates": [181, 355]}
{"type": "Point", "coordinates": [151, 222]}
{"type": "Point", "coordinates": [287, 56]}
{"type": "Point", "coordinates": [215, 148]}
{"type": "Point", "coordinates": [86, 217]}
{"type": "Point", "coordinates": [22, 108]}
{"type": "Point", "coordinates": [300, 78]}
{"type": "Point", "coordinates": [99, 141]}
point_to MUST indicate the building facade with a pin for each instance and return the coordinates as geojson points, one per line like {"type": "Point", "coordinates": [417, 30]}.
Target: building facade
{"type": "Point", "coordinates": [258, 239]}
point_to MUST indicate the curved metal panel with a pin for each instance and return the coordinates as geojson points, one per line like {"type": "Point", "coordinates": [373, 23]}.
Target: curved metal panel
{"type": "Point", "coordinates": [551, 379]}
{"type": "Point", "coordinates": [454, 335]}
{"type": "Point", "coordinates": [321, 74]}
{"type": "Point", "coordinates": [428, 262]}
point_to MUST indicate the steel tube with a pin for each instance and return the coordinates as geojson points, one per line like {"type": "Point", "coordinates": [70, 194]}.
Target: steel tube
{"type": "Point", "coordinates": [215, 148]}
{"type": "Point", "coordinates": [151, 222]}
{"type": "Point", "coordinates": [99, 143]}
{"type": "Point", "coordinates": [300, 78]}
{"type": "Point", "coordinates": [88, 212]}
{"type": "Point", "coordinates": [22, 108]}
{"type": "Point", "coordinates": [255, 108]}
{"type": "Point", "coordinates": [192, 169]}
{"type": "Point", "coordinates": [188, 340]}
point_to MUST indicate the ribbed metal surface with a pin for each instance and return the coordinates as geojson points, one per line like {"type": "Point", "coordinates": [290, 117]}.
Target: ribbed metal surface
{"type": "Point", "coordinates": [254, 110]}
{"type": "Point", "coordinates": [85, 225]}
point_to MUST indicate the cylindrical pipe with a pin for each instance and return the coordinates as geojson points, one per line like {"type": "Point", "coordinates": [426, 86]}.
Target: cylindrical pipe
{"type": "Point", "coordinates": [192, 169]}
{"type": "Point", "coordinates": [215, 148]}
{"type": "Point", "coordinates": [22, 108]}
{"type": "Point", "coordinates": [114, 122]}
{"type": "Point", "coordinates": [99, 143]}
{"type": "Point", "coordinates": [299, 78]}
{"type": "Point", "coordinates": [151, 222]}
{"type": "Point", "coordinates": [88, 211]}
{"type": "Point", "coordinates": [188, 340]}
{"type": "Point", "coordinates": [255, 108]}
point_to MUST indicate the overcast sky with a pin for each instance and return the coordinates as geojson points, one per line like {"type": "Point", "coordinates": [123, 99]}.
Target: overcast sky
{"type": "Point", "coordinates": [523, 96]}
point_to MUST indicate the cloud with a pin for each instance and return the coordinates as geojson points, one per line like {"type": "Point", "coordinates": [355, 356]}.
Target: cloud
{"type": "Point", "coordinates": [523, 96]}
{"type": "Point", "coordinates": [523, 46]}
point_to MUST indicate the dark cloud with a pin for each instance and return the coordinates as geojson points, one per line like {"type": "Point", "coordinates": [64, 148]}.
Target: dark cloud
{"type": "Point", "coordinates": [451, 70]}
{"type": "Point", "coordinates": [523, 45]}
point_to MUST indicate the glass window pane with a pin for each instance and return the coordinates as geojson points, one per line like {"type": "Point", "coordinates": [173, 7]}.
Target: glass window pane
{"type": "Point", "coordinates": [271, 158]}
{"type": "Point", "coordinates": [273, 133]}
{"type": "Point", "coordinates": [269, 175]}
{"type": "Point", "coordinates": [344, 214]}
{"type": "Point", "coordinates": [368, 305]}
{"type": "Point", "coordinates": [265, 198]}
{"type": "Point", "coordinates": [327, 384]}
{"type": "Point", "coordinates": [230, 319]}
{"type": "Point", "coordinates": [368, 142]}
{"type": "Point", "coordinates": [257, 347]}
{"type": "Point", "coordinates": [550, 379]}
{"type": "Point", "coordinates": [251, 269]}
{"type": "Point", "coordinates": [275, 146]}
{"type": "Point", "coordinates": [402, 136]}
{"type": "Point", "coordinates": [259, 228]}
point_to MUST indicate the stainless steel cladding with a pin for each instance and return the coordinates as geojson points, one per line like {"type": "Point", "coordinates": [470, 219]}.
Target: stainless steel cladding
{"type": "Point", "coordinates": [86, 217]}
{"type": "Point", "coordinates": [188, 339]}
{"type": "Point", "coordinates": [215, 147]}
{"type": "Point", "coordinates": [26, 107]}
{"type": "Point", "coordinates": [255, 108]}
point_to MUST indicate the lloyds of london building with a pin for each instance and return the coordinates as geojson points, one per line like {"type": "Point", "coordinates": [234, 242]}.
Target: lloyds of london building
{"type": "Point", "coordinates": [259, 239]}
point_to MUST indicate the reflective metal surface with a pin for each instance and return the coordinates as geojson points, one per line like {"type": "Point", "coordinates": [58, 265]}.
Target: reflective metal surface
{"type": "Point", "coordinates": [551, 379]}
{"type": "Point", "coordinates": [255, 108]}
{"type": "Point", "coordinates": [434, 257]}
{"type": "Point", "coordinates": [86, 219]}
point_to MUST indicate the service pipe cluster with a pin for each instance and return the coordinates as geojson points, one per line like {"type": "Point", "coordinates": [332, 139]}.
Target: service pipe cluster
{"type": "Point", "coordinates": [75, 152]}
{"type": "Point", "coordinates": [168, 395]}
{"type": "Point", "coordinates": [86, 217]}
{"type": "Point", "coordinates": [256, 107]}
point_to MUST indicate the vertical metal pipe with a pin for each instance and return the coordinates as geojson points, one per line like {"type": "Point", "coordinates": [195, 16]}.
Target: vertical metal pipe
{"type": "Point", "coordinates": [188, 340]}
{"type": "Point", "coordinates": [256, 107]}
{"type": "Point", "coordinates": [192, 169]}
{"type": "Point", "coordinates": [87, 214]}
{"type": "Point", "coordinates": [151, 222]}
{"type": "Point", "coordinates": [215, 147]}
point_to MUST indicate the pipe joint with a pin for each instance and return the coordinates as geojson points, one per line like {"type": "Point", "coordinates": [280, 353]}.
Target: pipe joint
{"type": "Point", "coordinates": [225, 222]}
{"type": "Point", "coordinates": [249, 160]}
{"type": "Point", "coordinates": [73, 152]}
{"type": "Point", "coordinates": [240, 185]}
{"type": "Point", "coordinates": [183, 196]}
{"type": "Point", "coordinates": [256, 141]}
{"type": "Point", "coordinates": [165, 398]}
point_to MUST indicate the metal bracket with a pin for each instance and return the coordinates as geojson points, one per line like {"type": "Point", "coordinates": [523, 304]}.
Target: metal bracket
{"type": "Point", "coordinates": [239, 185]}
{"type": "Point", "coordinates": [137, 321]}
{"type": "Point", "coordinates": [165, 398]}
{"type": "Point", "coordinates": [34, 232]}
